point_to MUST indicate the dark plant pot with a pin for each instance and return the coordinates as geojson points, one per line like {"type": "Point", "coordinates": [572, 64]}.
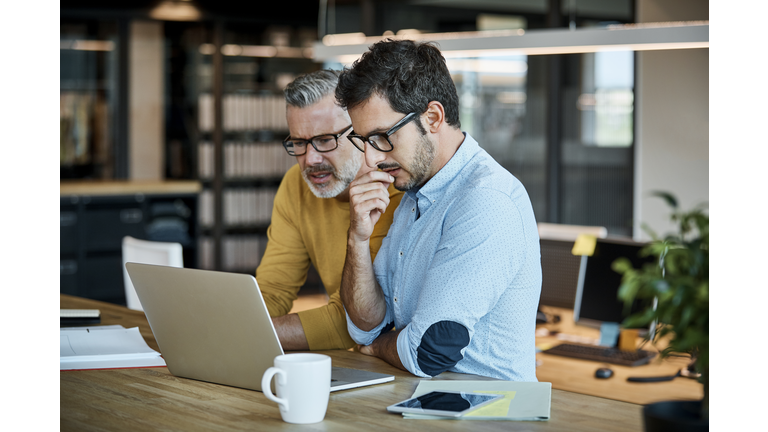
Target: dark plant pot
{"type": "Point", "coordinates": [674, 416]}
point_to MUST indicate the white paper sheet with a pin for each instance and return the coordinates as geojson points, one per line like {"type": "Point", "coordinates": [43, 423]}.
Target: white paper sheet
{"type": "Point", "coordinates": [105, 348]}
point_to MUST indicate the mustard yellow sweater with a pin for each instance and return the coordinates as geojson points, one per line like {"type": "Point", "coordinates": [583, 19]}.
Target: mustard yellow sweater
{"type": "Point", "coordinates": [305, 228]}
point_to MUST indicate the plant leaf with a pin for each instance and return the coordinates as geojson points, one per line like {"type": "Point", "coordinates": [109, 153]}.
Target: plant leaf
{"type": "Point", "coordinates": [668, 197]}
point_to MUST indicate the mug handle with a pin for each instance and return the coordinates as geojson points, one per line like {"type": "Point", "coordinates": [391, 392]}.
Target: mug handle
{"type": "Point", "coordinates": [266, 380]}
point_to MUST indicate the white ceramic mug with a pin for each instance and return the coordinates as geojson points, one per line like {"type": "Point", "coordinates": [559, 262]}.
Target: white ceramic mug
{"type": "Point", "coordinates": [303, 386]}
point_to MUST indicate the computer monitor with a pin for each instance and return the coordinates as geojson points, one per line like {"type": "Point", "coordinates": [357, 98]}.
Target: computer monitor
{"type": "Point", "coordinates": [559, 273]}
{"type": "Point", "coordinates": [596, 293]}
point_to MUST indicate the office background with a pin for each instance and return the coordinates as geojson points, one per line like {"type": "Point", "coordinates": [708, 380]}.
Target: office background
{"type": "Point", "coordinates": [30, 82]}
{"type": "Point", "coordinates": [742, 17]}
{"type": "Point", "coordinates": [589, 135]}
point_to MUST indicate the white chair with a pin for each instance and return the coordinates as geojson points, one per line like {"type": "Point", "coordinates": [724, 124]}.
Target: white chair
{"type": "Point", "coordinates": [147, 252]}
{"type": "Point", "coordinates": [550, 231]}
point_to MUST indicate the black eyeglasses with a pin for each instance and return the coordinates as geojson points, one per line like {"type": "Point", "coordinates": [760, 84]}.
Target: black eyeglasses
{"type": "Point", "coordinates": [322, 143]}
{"type": "Point", "coordinates": [380, 141]}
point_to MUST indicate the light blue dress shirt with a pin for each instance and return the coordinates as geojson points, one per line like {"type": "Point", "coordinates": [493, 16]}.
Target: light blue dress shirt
{"type": "Point", "coordinates": [461, 273]}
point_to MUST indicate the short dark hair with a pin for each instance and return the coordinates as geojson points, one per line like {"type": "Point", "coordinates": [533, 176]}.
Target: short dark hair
{"type": "Point", "coordinates": [309, 88]}
{"type": "Point", "coordinates": [408, 74]}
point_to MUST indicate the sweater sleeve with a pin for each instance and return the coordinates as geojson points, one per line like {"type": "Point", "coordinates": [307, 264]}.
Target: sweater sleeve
{"type": "Point", "coordinates": [283, 268]}
{"type": "Point", "coordinates": [325, 327]}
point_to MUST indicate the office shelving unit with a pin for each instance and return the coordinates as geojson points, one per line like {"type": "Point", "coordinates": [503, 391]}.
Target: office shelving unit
{"type": "Point", "coordinates": [225, 120]}
{"type": "Point", "coordinates": [254, 162]}
{"type": "Point", "coordinates": [241, 124]}
{"type": "Point", "coordinates": [93, 98]}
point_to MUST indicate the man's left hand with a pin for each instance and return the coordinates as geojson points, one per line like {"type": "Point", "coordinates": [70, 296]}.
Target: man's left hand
{"type": "Point", "coordinates": [385, 348]}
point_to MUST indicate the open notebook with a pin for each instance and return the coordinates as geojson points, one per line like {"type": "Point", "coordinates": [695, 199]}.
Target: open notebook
{"type": "Point", "coordinates": [214, 326]}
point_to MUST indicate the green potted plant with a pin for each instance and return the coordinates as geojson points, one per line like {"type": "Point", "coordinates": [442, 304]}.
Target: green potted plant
{"type": "Point", "coordinates": [675, 293]}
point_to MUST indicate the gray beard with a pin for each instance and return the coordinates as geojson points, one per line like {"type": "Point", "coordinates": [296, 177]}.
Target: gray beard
{"type": "Point", "coordinates": [340, 182]}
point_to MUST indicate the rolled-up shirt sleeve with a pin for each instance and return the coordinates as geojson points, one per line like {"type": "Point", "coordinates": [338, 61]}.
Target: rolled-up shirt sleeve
{"type": "Point", "coordinates": [367, 337]}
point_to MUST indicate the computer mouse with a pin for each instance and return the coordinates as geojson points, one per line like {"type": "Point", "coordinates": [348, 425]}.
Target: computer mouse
{"type": "Point", "coordinates": [603, 373]}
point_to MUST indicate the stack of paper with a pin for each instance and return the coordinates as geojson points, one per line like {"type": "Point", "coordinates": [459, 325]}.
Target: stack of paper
{"type": "Point", "coordinates": [107, 347]}
{"type": "Point", "coordinates": [525, 401]}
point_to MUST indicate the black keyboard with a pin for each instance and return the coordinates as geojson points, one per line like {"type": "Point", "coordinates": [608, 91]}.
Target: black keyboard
{"type": "Point", "coordinates": [602, 354]}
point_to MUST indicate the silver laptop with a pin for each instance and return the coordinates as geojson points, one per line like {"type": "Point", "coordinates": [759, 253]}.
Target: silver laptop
{"type": "Point", "coordinates": [214, 326]}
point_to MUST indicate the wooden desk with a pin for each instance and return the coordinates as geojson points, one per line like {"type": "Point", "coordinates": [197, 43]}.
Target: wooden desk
{"type": "Point", "coordinates": [579, 375]}
{"type": "Point", "coordinates": [152, 399]}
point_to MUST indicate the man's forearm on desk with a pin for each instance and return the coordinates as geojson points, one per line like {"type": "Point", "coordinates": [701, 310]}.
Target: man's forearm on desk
{"type": "Point", "coordinates": [290, 332]}
{"type": "Point", "coordinates": [385, 348]}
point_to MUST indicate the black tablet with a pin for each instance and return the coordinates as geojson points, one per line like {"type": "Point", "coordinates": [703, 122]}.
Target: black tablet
{"type": "Point", "coordinates": [444, 403]}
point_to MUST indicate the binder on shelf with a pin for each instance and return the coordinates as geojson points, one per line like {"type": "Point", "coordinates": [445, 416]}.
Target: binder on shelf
{"type": "Point", "coordinates": [205, 160]}
{"type": "Point", "coordinates": [238, 113]}
{"type": "Point", "coordinates": [238, 163]}
{"type": "Point", "coordinates": [205, 247]}
{"type": "Point", "coordinates": [205, 112]}
{"type": "Point", "coordinates": [261, 115]}
{"type": "Point", "coordinates": [242, 252]}
{"type": "Point", "coordinates": [242, 112]}
{"type": "Point", "coordinates": [206, 208]}
{"type": "Point", "coordinates": [252, 161]}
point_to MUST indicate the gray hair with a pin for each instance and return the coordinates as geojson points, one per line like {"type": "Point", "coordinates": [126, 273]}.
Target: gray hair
{"type": "Point", "coordinates": [309, 88]}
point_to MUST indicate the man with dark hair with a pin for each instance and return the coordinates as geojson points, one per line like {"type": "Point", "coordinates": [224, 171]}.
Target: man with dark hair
{"type": "Point", "coordinates": [310, 218]}
{"type": "Point", "coordinates": [457, 280]}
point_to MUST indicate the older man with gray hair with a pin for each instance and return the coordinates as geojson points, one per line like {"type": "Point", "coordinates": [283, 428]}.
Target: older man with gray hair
{"type": "Point", "coordinates": [310, 217]}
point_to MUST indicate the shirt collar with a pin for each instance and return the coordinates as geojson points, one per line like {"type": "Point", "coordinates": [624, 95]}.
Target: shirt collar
{"type": "Point", "coordinates": [435, 188]}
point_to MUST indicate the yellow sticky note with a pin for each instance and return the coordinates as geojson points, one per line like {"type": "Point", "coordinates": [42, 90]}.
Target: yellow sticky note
{"type": "Point", "coordinates": [498, 408]}
{"type": "Point", "coordinates": [584, 245]}
{"type": "Point", "coordinates": [545, 346]}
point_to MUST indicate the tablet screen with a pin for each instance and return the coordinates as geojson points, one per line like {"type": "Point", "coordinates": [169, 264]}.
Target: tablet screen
{"type": "Point", "coordinates": [449, 403]}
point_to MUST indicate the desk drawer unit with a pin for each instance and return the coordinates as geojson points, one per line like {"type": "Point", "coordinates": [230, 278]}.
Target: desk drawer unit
{"type": "Point", "coordinates": [92, 227]}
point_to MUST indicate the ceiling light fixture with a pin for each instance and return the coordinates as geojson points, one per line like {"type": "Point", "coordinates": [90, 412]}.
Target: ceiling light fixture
{"type": "Point", "coordinates": [632, 37]}
{"type": "Point", "coordinates": [176, 10]}
{"type": "Point", "coordinates": [233, 50]}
